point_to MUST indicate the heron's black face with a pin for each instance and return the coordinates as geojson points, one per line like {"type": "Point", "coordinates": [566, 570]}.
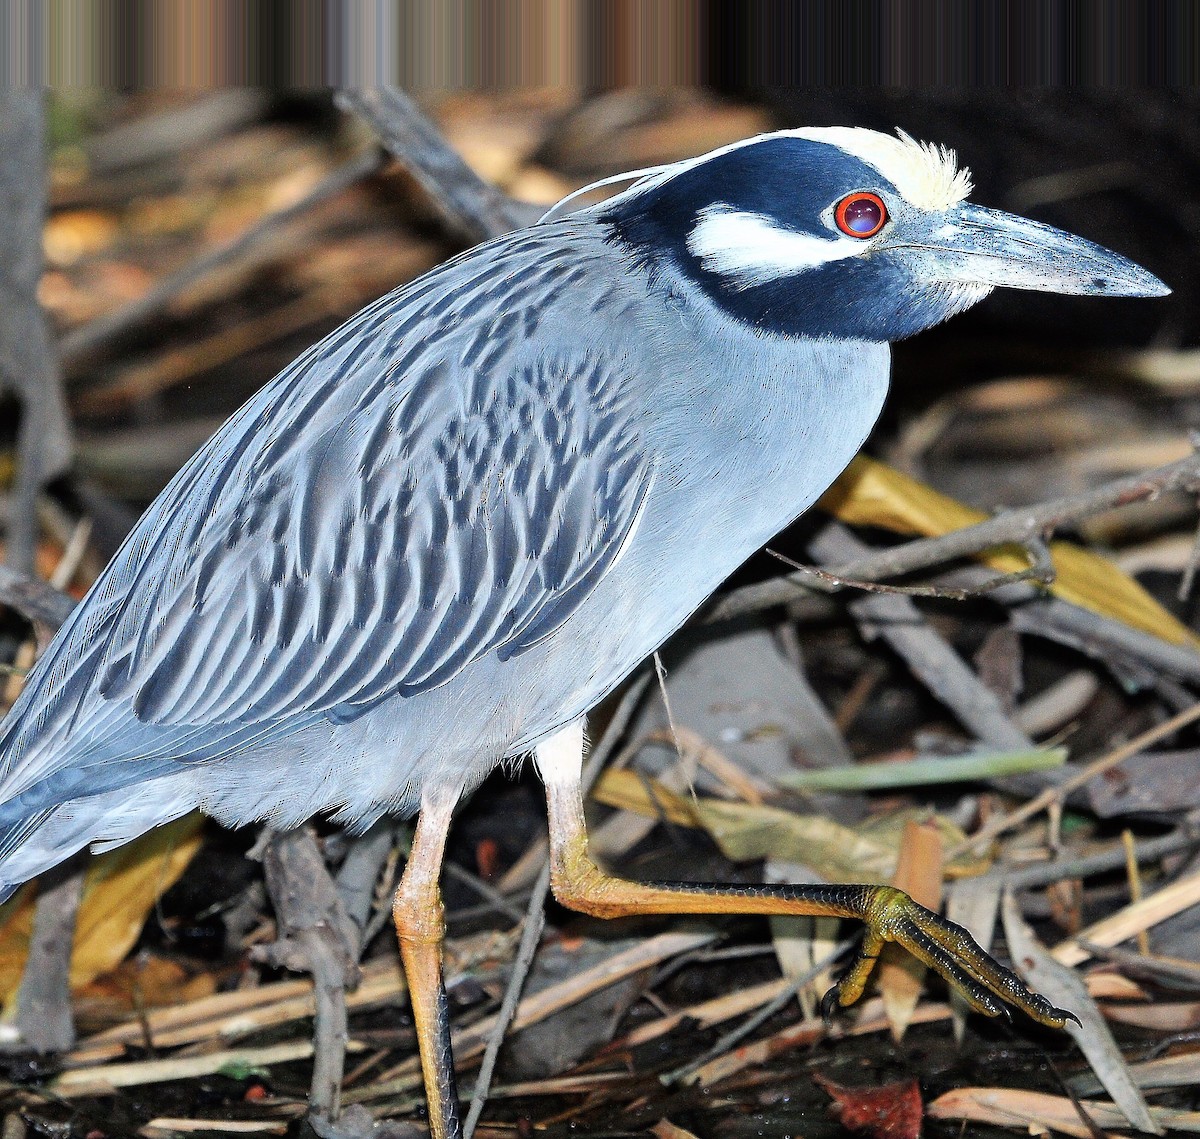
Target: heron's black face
{"type": "Point", "coordinates": [842, 232]}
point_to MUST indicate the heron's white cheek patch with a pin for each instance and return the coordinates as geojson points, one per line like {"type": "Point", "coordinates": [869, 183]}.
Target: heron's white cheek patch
{"type": "Point", "coordinates": [750, 249]}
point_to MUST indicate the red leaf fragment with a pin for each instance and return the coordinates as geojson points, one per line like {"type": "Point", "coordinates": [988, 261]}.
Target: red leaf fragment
{"type": "Point", "coordinates": [889, 1111]}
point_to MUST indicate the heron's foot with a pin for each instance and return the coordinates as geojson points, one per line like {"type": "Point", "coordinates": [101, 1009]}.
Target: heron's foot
{"type": "Point", "coordinates": [986, 985]}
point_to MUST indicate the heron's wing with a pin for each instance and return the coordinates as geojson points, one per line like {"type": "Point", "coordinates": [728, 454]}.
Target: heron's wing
{"type": "Point", "coordinates": [397, 517]}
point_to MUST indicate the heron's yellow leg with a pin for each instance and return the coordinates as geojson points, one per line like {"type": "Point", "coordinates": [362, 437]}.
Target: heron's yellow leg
{"type": "Point", "coordinates": [889, 914]}
{"type": "Point", "coordinates": [421, 929]}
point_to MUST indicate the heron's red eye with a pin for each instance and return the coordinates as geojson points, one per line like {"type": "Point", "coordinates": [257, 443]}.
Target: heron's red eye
{"type": "Point", "coordinates": [861, 214]}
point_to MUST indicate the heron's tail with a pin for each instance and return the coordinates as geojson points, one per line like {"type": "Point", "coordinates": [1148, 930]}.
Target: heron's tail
{"type": "Point", "coordinates": [17, 826]}
{"type": "Point", "coordinates": [36, 836]}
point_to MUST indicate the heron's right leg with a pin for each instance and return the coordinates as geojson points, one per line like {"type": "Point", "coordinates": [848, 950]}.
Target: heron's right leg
{"type": "Point", "coordinates": [889, 914]}
{"type": "Point", "coordinates": [421, 928]}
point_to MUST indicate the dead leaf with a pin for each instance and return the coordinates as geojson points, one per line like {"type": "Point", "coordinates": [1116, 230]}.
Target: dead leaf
{"type": "Point", "coordinates": [889, 1111]}
{"type": "Point", "coordinates": [747, 832]}
{"type": "Point", "coordinates": [665, 1129]}
{"type": "Point", "coordinates": [870, 493]}
{"type": "Point", "coordinates": [1105, 985]}
{"type": "Point", "coordinates": [866, 852]}
{"type": "Point", "coordinates": [628, 791]}
{"type": "Point", "coordinates": [1165, 1016]}
{"type": "Point", "coordinates": [1064, 987]}
{"type": "Point", "coordinates": [72, 235]}
{"type": "Point", "coordinates": [119, 891]}
{"type": "Point", "coordinates": [973, 905]}
{"type": "Point", "coordinates": [1038, 1112]}
{"type": "Point", "coordinates": [144, 981]}
{"type": "Point", "coordinates": [1178, 1071]}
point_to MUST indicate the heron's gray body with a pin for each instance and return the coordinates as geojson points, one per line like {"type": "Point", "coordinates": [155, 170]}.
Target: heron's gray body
{"type": "Point", "coordinates": [456, 523]}
{"type": "Point", "coordinates": [446, 531]}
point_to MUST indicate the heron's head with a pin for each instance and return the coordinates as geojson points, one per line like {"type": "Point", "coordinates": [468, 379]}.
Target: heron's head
{"type": "Point", "coordinates": [845, 232]}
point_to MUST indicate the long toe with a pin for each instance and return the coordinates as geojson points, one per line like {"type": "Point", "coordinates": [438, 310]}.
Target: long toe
{"type": "Point", "coordinates": [948, 949]}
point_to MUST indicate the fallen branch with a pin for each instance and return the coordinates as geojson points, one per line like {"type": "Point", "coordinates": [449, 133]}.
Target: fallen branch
{"type": "Point", "coordinates": [43, 606]}
{"type": "Point", "coordinates": [45, 1020]}
{"type": "Point", "coordinates": [1084, 866]}
{"type": "Point", "coordinates": [930, 657]}
{"type": "Point", "coordinates": [1009, 527]}
{"type": "Point", "coordinates": [475, 209]}
{"type": "Point", "coordinates": [316, 936]}
{"type": "Point", "coordinates": [27, 360]}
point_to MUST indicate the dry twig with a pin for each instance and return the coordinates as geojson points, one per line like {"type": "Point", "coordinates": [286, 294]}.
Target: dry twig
{"type": "Point", "coordinates": [1057, 794]}
{"type": "Point", "coordinates": [1008, 527]}
{"type": "Point", "coordinates": [317, 936]}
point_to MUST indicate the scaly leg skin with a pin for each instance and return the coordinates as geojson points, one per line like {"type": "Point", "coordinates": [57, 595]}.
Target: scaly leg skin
{"type": "Point", "coordinates": [421, 928]}
{"type": "Point", "coordinates": [889, 914]}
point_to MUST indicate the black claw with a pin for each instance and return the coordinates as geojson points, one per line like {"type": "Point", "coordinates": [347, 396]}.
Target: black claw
{"type": "Point", "coordinates": [830, 1005]}
{"type": "Point", "coordinates": [1068, 1016]}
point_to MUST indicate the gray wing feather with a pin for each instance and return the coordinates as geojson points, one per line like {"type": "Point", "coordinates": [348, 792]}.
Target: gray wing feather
{"type": "Point", "coordinates": [368, 530]}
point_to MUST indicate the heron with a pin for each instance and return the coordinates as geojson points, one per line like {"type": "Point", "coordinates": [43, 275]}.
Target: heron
{"type": "Point", "coordinates": [453, 526]}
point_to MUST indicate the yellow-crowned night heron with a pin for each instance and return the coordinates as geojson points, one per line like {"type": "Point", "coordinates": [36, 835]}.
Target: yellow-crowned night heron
{"type": "Point", "coordinates": [455, 524]}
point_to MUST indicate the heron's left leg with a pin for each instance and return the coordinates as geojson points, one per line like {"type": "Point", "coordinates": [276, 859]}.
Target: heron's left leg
{"type": "Point", "coordinates": [889, 914]}
{"type": "Point", "coordinates": [421, 928]}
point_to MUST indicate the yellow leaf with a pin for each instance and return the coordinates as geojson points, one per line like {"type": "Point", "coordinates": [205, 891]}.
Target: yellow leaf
{"type": "Point", "coordinates": [746, 832]}
{"type": "Point", "coordinates": [866, 852]}
{"type": "Point", "coordinates": [627, 790]}
{"type": "Point", "coordinates": [120, 888]}
{"type": "Point", "coordinates": [870, 493]}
